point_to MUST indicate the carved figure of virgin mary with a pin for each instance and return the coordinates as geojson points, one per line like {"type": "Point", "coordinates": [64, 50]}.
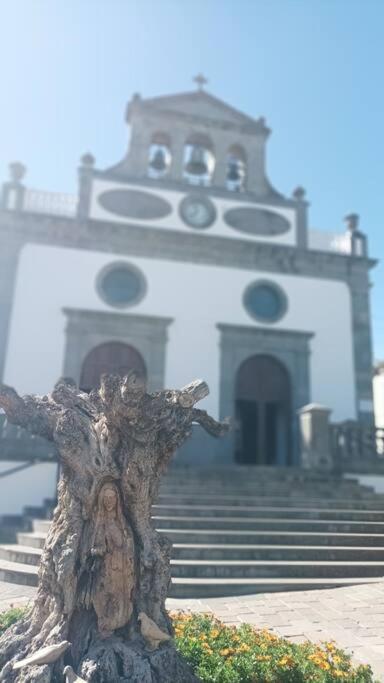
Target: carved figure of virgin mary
{"type": "Point", "coordinates": [111, 579]}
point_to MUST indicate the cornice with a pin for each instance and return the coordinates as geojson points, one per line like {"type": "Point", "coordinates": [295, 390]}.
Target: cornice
{"type": "Point", "coordinates": [171, 245]}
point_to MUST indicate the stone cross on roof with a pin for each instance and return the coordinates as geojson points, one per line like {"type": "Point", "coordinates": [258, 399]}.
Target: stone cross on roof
{"type": "Point", "coordinates": [201, 81]}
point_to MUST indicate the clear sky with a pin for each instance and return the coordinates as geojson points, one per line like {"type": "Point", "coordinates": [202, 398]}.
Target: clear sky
{"type": "Point", "coordinates": [313, 68]}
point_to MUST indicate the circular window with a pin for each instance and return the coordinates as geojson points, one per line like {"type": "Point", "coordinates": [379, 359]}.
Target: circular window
{"type": "Point", "coordinates": [121, 285]}
{"type": "Point", "coordinates": [265, 301]}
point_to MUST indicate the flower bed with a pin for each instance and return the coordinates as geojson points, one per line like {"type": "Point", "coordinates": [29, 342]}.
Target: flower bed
{"type": "Point", "coordinates": [223, 654]}
{"type": "Point", "coordinates": [10, 617]}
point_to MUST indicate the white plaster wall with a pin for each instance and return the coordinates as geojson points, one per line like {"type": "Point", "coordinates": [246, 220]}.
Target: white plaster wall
{"type": "Point", "coordinates": [28, 487]}
{"type": "Point", "coordinates": [174, 222]}
{"type": "Point", "coordinates": [378, 398]}
{"type": "Point", "coordinates": [197, 297]}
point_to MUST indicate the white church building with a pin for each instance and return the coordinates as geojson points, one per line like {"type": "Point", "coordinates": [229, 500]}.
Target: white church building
{"type": "Point", "coordinates": [184, 261]}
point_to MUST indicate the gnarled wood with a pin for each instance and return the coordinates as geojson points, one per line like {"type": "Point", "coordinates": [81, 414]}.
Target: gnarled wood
{"type": "Point", "coordinates": [103, 564]}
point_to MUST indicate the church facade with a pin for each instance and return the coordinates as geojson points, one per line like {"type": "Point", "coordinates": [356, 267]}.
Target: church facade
{"type": "Point", "coordinates": [183, 261]}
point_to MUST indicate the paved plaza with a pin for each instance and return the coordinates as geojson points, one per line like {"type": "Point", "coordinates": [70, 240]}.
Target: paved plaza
{"type": "Point", "coordinates": [353, 616]}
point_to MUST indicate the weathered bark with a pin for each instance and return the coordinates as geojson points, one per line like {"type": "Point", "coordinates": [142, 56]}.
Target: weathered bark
{"type": "Point", "coordinates": [103, 563]}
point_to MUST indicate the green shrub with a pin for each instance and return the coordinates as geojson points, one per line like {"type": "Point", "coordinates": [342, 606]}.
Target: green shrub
{"type": "Point", "coordinates": [10, 617]}
{"type": "Point", "coordinates": [223, 654]}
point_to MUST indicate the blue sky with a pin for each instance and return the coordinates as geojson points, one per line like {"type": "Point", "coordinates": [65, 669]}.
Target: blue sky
{"type": "Point", "coordinates": [313, 68]}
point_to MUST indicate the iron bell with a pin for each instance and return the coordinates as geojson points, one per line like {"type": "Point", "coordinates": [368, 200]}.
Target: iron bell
{"type": "Point", "coordinates": [197, 164]}
{"type": "Point", "coordinates": [158, 162]}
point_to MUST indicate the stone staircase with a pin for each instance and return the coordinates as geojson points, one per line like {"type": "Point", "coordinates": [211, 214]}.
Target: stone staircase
{"type": "Point", "coordinates": [247, 530]}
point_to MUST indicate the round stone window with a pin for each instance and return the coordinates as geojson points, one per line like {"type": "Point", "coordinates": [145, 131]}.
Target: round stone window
{"type": "Point", "coordinates": [121, 285]}
{"type": "Point", "coordinates": [265, 301]}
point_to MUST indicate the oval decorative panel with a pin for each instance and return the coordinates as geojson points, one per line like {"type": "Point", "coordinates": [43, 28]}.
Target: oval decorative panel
{"type": "Point", "coordinates": [256, 221]}
{"type": "Point", "coordinates": [134, 204]}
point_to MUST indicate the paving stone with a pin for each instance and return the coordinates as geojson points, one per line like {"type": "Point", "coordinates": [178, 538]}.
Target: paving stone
{"type": "Point", "coordinates": [352, 616]}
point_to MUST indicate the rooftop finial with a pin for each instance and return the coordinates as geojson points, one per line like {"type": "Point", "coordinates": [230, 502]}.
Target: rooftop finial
{"type": "Point", "coordinates": [352, 221]}
{"type": "Point", "coordinates": [200, 81]}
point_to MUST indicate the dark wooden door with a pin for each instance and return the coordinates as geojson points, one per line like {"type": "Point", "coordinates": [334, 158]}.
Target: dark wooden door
{"type": "Point", "coordinates": [113, 358]}
{"type": "Point", "coordinates": [263, 412]}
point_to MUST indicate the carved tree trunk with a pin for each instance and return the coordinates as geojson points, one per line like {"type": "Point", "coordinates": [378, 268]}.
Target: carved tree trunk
{"type": "Point", "coordinates": [103, 564]}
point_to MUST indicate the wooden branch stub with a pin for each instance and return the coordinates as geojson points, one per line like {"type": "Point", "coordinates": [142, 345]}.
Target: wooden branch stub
{"type": "Point", "coordinates": [193, 393]}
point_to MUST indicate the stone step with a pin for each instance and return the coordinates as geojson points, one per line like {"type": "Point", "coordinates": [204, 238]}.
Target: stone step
{"type": "Point", "coordinates": [267, 501]}
{"type": "Point", "coordinates": [22, 572]}
{"type": "Point", "coordinates": [16, 572]}
{"type": "Point", "coordinates": [29, 554]}
{"type": "Point", "coordinates": [21, 554]}
{"type": "Point", "coordinates": [243, 538]}
{"type": "Point", "coordinates": [221, 551]}
{"type": "Point", "coordinates": [277, 475]}
{"type": "Point", "coordinates": [13, 572]}
{"type": "Point", "coordinates": [255, 512]}
{"type": "Point", "coordinates": [240, 536]}
{"type": "Point", "coordinates": [249, 492]}
{"type": "Point", "coordinates": [274, 569]}
{"type": "Point", "coordinates": [253, 523]}
{"type": "Point", "coordinates": [31, 539]}
{"type": "Point", "coordinates": [264, 524]}
{"type": "Point", "coordinates": [198, 588]}
{"type": "Point", "coordinates": [331, 487]}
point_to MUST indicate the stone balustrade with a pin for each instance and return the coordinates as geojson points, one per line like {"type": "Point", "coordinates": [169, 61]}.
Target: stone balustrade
{"type": "Point", "coordinates": [52, 203]}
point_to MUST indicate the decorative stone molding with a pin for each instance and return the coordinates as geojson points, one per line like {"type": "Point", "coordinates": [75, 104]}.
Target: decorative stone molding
{"type": "Point", "coordinates": [88, 329]}
{"type": "Point", "coordinates": [291, 348]}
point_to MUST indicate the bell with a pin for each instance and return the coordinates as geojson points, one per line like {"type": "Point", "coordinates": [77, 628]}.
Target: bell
{"type": "Point", "coordinates": [197, 164]}
{"type": "Point", "coordinates": [233, 174]}
{"type": "Point", "coordinates": [158, 162]}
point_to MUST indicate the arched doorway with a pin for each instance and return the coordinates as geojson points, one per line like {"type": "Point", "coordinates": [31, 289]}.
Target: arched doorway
{"type": "Point", "coordinates": [263, 412]}
{"type": "Point", "coordinates": [114, 358]}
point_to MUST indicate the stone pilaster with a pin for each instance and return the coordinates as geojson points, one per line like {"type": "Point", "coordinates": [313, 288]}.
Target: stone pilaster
{"type": "Point", "coordinates": [301, 218]}
{"type": "Point", "coordinates": [362, 344]}
{"type": "Point", "coordinates": [9, 256]}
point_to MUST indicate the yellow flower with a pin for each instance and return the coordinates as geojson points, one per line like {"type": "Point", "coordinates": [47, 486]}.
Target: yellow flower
{"type": "Point", "coordinates": [225, 652]}
{"type": "Point", "coordinates": [286, 661]}
{"type": "Point", "coordinates": [330, 646]}
{"type": "Point", "coordinates": [263, 658]}
{"type": "Point", "coordinates": [207, 648]}
{"type": "Point", "coordinates": [215, 633]}
{"type": "Point", "coordinates": [243, 648]}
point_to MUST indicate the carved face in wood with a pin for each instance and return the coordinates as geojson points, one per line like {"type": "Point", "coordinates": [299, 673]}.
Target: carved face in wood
{"type": "Point", "coordinates": [109, 497]}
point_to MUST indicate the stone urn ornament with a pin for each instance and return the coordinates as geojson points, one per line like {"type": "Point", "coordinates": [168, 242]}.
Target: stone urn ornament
{"type": "Point", "coordinates": [99, 615]}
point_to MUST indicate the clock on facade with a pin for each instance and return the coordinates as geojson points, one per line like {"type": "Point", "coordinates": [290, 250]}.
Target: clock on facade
{"type": "Point", "coordinates": [197, 211]}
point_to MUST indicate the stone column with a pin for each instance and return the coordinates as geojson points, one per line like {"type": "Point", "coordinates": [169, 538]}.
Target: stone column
{"type": "Point", "coordinates": [220, 172]}
{"type": "Point", "coordinates": [87, 162]}
{"type": "Point", "coordinates": [177, 151]}
{"type": "Point", "coordinates": [301, 218]}
{"type": "Point", "coordinates": [362, 341]}
{"type": "Point", "coordinates": [315, 437]}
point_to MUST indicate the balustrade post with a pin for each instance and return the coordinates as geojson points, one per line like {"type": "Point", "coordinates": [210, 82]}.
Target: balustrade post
{"type": "Point", "coordinates": [13, 190]}
{"type": "Point", "coordinates": [315, 437]}
{"type": "Point", "coordinates": [85, 185]}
